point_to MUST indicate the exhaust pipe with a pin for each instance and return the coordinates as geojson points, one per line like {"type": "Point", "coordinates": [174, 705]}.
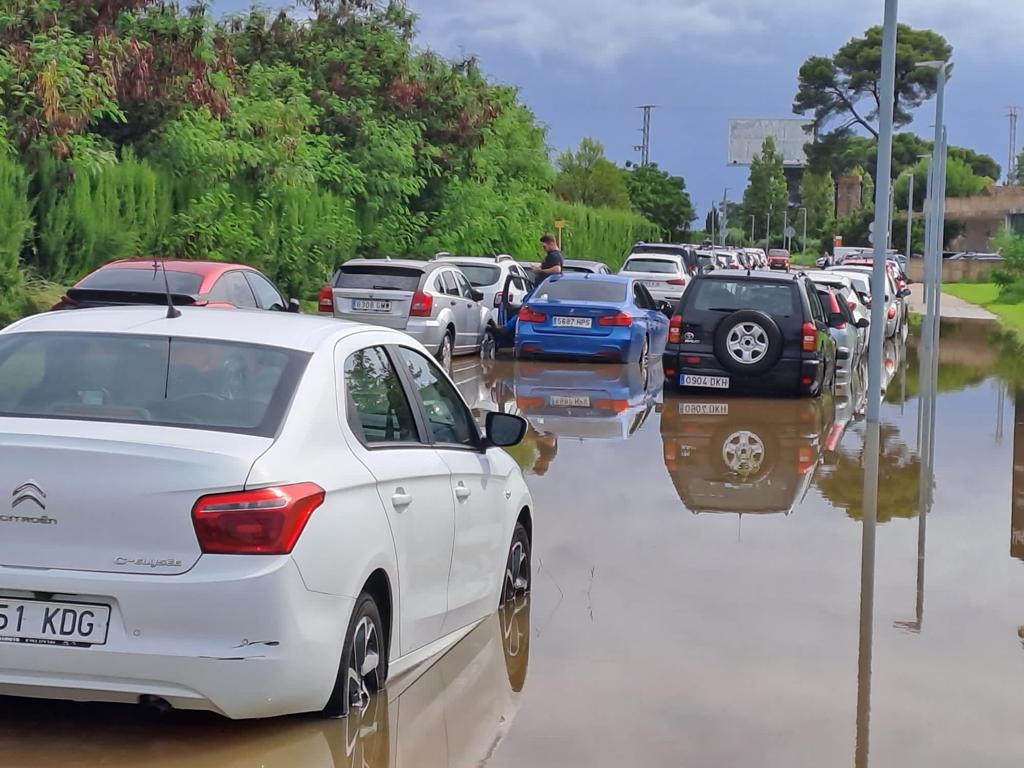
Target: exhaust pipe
{"type": "Point", "coordinates": [156, 704]}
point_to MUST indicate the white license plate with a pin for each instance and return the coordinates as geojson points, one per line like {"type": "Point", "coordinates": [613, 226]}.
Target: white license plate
{"type": "Point", "coordinates": [371, 305]}
{"type": "Point", "coordinates": [573, 322]}
{"type": "Point", "coordinates": [569, 401]}
{"type": "Point", "coordinates": [654, 283]}
{"type": "Point", "coordinates": [703, 409]}
{"type": "Point", "coordinates": [45, 623]}
{"type": "Point", "coordinates": [705, 382]}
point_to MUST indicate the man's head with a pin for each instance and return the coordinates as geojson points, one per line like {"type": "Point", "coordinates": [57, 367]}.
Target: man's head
{"type": "Point", "coordinates": [548, 243]}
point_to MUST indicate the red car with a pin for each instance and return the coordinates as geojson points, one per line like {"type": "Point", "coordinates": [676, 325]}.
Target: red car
{"type": "Point", "coordinates": [778, 258]}
{"type": "Point", "coordinates": [191, 283]}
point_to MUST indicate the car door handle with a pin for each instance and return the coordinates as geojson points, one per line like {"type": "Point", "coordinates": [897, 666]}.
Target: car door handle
{"type": "Point", "coordinates": [462, 492]}
{"type": "Point", "coordinates": [400, 499]}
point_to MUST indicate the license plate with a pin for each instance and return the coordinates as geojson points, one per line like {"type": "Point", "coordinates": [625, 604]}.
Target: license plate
{"type": "Point", "coordinates": [654, 283]}
{"type": "Point", "coordinates": [569, 401]}
{"type": "Point", "coordinates": [573, 322]}
{"type": "Point", "coordinates": [45, 623]}
{"type": "Point", "coordinates": [705, 382]}
{"type": "Point", "coordinates": [371, 305]}
{"type": "Point", "coordinates": [703, 409]}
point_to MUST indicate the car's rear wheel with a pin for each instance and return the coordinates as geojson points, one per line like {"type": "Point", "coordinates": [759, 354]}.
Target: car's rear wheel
{"type": "Point", "coordinates": [446, 350]}
{"type": "Point", "coordinates": [364, 661]}
{"type": "Point", "coordinates": [517, 567]}
{"type": "Point", "coordinates": [489, 345]}
{"type": "Point", "coordinates": [748, 342]}
{"type": "Point", "coordinates": [645, 358]}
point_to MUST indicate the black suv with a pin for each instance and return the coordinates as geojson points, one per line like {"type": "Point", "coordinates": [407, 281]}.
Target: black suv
{"type": "Point", "coordinates": [754, 333]}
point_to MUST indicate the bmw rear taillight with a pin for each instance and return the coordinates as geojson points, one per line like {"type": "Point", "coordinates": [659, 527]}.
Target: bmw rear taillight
{"type": "Point", "coordinates": [618, 406]}
{"type": "Point", "coordinates": [618, 320]}
{"type": "Point", "coordinates": [422, 305]}
{"type": "Point", "coordinates": [325, 302]}
{"type": "Point", "coordinates": [527, 315]}
{"type": "Point", "coordinates": [267, 521]}
{"type": "Point", "coordinates": [678, 281]}
{"type": "Point", "coordinates": [892, 312]}
{"type": "Point", "coordinates": [675, 329]}
{"type": "Point", "coordinates": [810, 337]}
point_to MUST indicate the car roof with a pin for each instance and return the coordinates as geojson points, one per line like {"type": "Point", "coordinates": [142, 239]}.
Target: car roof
{"type": "Point", "coordinates": [195, 267]}
{"type": "Point", "coordinates": [584, 263]}
{"type": "Point", "coordinates": [491, 261]}
{"type": "Point", "coordinates": [581, 276]}
{"type": "Point", "coordinates": [655, 254]}
{"type": "Point", "coordinates": [275, 329]}
{"type": "Point", "coordinates": [758, 275]}
{"type": "Point", "coordinates": [423, 266]}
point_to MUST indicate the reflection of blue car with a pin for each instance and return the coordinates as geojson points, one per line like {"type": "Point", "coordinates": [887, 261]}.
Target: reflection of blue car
{"type": "Point", "coordinates": [601, 317]}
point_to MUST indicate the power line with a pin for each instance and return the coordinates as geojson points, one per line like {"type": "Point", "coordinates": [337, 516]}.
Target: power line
{"type": "Point", "coordinates": [644, 148]}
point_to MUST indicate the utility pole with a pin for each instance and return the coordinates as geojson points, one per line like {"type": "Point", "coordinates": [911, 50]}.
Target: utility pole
{"type": "Point", "coordinates": [644, 148]}
{"type": "Point", "coordinates": [1011, 166]}
{"type": "Point", "coordinates": [723, 222]}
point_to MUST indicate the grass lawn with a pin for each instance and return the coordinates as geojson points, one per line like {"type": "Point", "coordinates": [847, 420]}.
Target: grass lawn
{"type": "Point", "coordinates": [987, 295]}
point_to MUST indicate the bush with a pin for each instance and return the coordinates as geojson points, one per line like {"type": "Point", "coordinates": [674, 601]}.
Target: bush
{"type": "Point", "coordinates": [15, 224]}
{"type": "Point", "coordinates": [600, 234]}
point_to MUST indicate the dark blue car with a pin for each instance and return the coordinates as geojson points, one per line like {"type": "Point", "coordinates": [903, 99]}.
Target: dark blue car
{"type": "Point", "coordinates": [604, 318]}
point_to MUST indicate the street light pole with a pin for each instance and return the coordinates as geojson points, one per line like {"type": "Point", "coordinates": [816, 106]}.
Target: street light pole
{"type": "Point", "coordinates": [785, 227]}
{"type": "Point", "coordinates": [910, 217]}
{"type": "Point", "coordinates": [753, 220]}
{"type": "Point", "coordinates": [803, 243]}
{"type": "Point", "coordinates": [883, 176]}
{"type": "Point", "coordinates": [725, 214]}
{"type": "Point", "coordinates": [936, 208]}
{"type": "Point", "coordinates": [768, 233]}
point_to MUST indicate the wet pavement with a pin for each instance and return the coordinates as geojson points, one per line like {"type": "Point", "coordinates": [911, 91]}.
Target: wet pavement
{"type": "Point", "coordinates": [699, 597]}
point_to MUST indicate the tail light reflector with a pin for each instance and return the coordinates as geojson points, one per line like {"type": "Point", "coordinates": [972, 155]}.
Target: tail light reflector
{"type": "Point", "coordinates": [527, 315]}
{"type": "Point", "coordinates": [618, 320]}
{"type": "Point", "coordinates": [422, 305]}
{"type": "Point", "coordinates": [810, 337]}
{"type": "Point", "coordinates": [678, 281]}
{"type": "Point", "coordinates": [267, 521]}
{"type": "Point", "coordinates": [693, 361]}
{"type": "Point", "coordinates": [619, 406]}
{"type": "Point", "coordinates": [325, 302]}
{"type": "Point", "coordinates": [675, 329]}
{"type": "Point", "coordinates": [892, 312]}
{"type": "Point", "coordinates": [530, 403]}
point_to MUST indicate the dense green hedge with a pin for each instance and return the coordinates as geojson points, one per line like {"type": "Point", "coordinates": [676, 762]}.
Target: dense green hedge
{"type": "Point", "coordinates": [601, 234]}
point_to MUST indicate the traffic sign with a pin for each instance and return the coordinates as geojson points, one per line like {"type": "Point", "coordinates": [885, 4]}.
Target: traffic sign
{"type": "Point", "coordinates": [790, 232]}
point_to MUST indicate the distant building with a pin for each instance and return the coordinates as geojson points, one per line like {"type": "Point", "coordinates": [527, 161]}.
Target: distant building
{"type": "Point", "coordinates": [986, 215]}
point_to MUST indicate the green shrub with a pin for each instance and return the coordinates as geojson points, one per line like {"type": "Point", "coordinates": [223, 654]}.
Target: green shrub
{"type": "Point", "coordinates": [600, 234]}
{"type": "Point", "coordinates": [15, 224]}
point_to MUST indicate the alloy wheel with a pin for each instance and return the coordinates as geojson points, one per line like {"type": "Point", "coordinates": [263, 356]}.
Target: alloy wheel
{"type": "Point", "coordinates": [743, 452]}
{"type": "Point", "coordinates": [517, 573]}
{"type": "Point", "coordinates": [446, 352]}
{"type": "Point", "coordinates": [747, 343]}
{"type": "Point", "coordinates": [363, 675]}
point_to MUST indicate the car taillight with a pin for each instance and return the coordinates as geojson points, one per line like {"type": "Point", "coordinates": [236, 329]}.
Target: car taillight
{"type": "Point", "coordinates": [810, 337]}
{"type": "Point", "coordinates": [675, 329]}
{"type": "Point", "coordinates": [498, 298]}
{"type": "Point", "coordinates": [618, 406]}
{"type": "Point", "coordinates": [677, 281]}
{"type": "Point", "coordinates": [267, 521]}
{"type": "Point", "coordinates": [325, 302]}
{"type": "Point", "coordinates": [892, 311]}
{"type": "Point", "coordinates": [618, 320]}
{"type": "Point", "coordinates": [851, 304]}
{"type": "Point", "coordinates": [422, 304]}
{"type": "Point", "coordinates": [527, 315]}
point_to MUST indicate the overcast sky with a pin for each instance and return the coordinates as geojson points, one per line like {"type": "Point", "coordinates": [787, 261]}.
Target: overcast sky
{"type": "Point", "coordinates": [582, 66]}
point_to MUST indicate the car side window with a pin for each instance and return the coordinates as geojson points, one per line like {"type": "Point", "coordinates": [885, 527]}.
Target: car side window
{"type": "Point", "coordinates": [450, 286]}
{"type": "Point", "coordinates": [815, 302]}
{"type": "Point", "coordinates": [517, 282]}
{"type": "Point", "coordinates": [266, 294]}
{"type": "Point", "coordinates": [378, 409]}
{"type": "Point", "coordinates": [451, 422]}
{"type": "Point", "coordinates": [232, 288]}
{"type": "Point", "coordinates": [465, 289]}
{"type": "Point", "coordinates": [641, 297]}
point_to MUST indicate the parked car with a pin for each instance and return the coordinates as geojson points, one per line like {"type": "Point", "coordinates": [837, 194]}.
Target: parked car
{"type": "Point", "coordinates": [608, 317]}
{"type": "Point", "coordinates": [432, 301]}
{"type": "Point", "coordinates": [728, 455]}
{"type": "Point", "coordinates": [844, 328]}
{"type": "Point", "coordinates": [732, 260]}
{"type": "Point", "coordinates": [586, 267]}
{"type": "Point", "coordinates": [664, 275]}
{"type": "Point", "coordinates": [488, 275]}
{"type": "Point", "coordinates": [896, 310]}
{"type": "Point", "coordinates": [778, 258]}
{"type": "Point", "coordinates": [760, 259]}
{"type": "Point", "coordinates": [319, 488]}
{"type": "Point", "coordinates": [848, 294]}
{"type": "Point", "coordinates": [688, 253]}
{"type": "Point", "coordinates": [757, 333]}
{"type": "Point", "coordinates": [190, 283]}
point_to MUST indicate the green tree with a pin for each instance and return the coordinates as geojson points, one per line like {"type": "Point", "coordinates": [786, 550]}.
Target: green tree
{"type": "Point", "coordinates": [662, 199]}
{"type": "Point", "coordinates": [767, 191]}
{"type": "Point", "coordinates": [586, 176]}
{"type": "Point", "coordinates": [818, 196]}
{"type": "Point", "coordinates": [843, 89]}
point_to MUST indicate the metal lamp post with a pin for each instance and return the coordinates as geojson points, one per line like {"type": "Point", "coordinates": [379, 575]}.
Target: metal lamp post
{"type": "Point", "coordinates": [725, 215]}
{"type": "Point", "coordinates": [753, 220]}
{"type": "Point", "coordinates": [768, 232]}
{"type": "Point", "coordinates": [803, 242]}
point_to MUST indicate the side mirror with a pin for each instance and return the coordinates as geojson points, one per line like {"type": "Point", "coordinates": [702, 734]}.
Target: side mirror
{"type": "Point", "coordinates": [504, 430]}
{"type": "Point", "coordinates": [294, 306]}
{"type": "Point", "coordinates": [863, 323]}
{"type": "Point", "coordinates": [665, 308]}
{"type": "Point", "coordinates": [476, 295]}
{"type": "Point", "coordinates": [904, 293]}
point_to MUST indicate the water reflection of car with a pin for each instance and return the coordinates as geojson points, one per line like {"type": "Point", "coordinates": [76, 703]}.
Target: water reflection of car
{"type": "Point", "coordinates": [591, 402]}
{"type": "Point", "coordinates": [451, 713]}
{"type": "Point", "coordinates": [728, 455]}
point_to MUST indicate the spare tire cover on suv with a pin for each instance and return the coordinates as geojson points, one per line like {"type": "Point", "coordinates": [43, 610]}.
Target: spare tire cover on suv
{"type": "Point", "coordinates": [748, 342]}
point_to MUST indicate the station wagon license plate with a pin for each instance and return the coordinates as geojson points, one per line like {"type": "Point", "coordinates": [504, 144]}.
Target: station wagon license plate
{"type": "Point", "coordinates": [704, 382]}
{"type": "Point", "coordinates": [654, 283]}
{"type": "Point", "coordinates": [573, 322]}
{"type": "Point", "coordinates": [569, 401]}
{"type": "Point", "coordinates": [45, 623]}
{"type": "Point", "coordinates": [371, 305]}
{"type": "Point", "coordinates": [703, 409]}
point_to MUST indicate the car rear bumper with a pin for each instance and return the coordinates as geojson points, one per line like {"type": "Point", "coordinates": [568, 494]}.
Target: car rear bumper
{"type": "Point", "coordinates": [427, 331]}
{"type": "Point", "coordinates": [789, 375]}
{"type": "Point", "coordinates": [618, 346]}
{"type": "Point", "coordinates": [241, 636]}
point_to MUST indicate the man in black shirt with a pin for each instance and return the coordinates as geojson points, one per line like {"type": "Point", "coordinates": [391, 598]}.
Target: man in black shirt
{"type": "Point", "coordinates": [552, 264]}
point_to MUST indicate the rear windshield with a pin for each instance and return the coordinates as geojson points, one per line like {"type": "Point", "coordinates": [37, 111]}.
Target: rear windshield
{"type": "Point", "coordinates": [577, 269]}
{"type": "Point", "coordinates": [480, 274]}
{"type": "Point", "coordinates": [142, 280]}
{"type": "Point", "coordinates": [582, 290]}
{"type": "Point", "coordinates": [192, 383]}
{"type": "Point", "coordinates": [379, 277]}
{"type": "Point", "coordinates": [661, 266]}
{"type": "Point", "coordinates": [732, 295]}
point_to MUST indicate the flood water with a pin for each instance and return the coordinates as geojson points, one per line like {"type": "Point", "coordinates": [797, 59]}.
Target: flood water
{"type": "Point", "coordinates": [699, 597]}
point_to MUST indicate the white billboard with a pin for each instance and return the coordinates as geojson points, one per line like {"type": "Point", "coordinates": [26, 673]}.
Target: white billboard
{"type": "Point", "coordinates": [746, 137]}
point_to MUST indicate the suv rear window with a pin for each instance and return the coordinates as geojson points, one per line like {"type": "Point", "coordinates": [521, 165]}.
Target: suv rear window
{"type": "Point", "coordinates": [165, 381]}
{"type": "Point", "coordinates": [660, 266]}
{"type": "Point", "coordinates": [142, 281]}
{"type": "Point", "coordinates": [582, 290]}
{"type": "Point", "coordinates": [379, 277]}
{"type": "Point", "coordinates": [776, 299]}
{"type": "Point", "coordinates": [480, 274]}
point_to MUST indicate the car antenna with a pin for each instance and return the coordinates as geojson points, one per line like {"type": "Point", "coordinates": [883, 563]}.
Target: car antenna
{"type": "Point", "coordinates": [172, 311]}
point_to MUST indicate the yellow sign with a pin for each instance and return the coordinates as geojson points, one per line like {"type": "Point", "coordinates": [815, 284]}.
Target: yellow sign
{"type": "Point", "coordinates": [560, 223]}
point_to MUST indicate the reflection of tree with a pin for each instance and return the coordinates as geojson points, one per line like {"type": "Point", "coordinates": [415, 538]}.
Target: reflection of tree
{"type": "Point", "coordinates": [899, 475]}
{"type": "Point", "coordinates": [953, 377]}
{"type": "Point", "coordinates": [536, 452]}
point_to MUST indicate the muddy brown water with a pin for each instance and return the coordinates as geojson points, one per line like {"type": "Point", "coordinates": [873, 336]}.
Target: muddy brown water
{"type": "Point", "coordinates": [697, 594]}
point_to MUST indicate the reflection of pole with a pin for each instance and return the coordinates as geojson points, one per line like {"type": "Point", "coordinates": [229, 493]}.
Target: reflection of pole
{"type": "Point", "coordinates": [867, 594]}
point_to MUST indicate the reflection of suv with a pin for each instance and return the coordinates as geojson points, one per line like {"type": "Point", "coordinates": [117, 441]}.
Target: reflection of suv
{"type": "Point", "coordinates": [754, 332]}
{"type": "Point", "coordinates": [743, 456]}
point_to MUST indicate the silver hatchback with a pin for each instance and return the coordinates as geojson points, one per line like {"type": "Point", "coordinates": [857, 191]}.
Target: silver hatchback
{"type": "Point", "coordinates": [432, 301]}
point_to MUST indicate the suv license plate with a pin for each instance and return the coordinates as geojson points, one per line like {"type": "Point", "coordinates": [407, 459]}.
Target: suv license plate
{"type": "Point", "coordinates": [703, 409]}
{"type": "Point", "coordinates": [705, 382]}
{"type": "Point", "coordinates": [44, 623]}
{"type": "Point", "coordinates": [370, 305]}
{"type": "Point", "coordinates": [573, 322]}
